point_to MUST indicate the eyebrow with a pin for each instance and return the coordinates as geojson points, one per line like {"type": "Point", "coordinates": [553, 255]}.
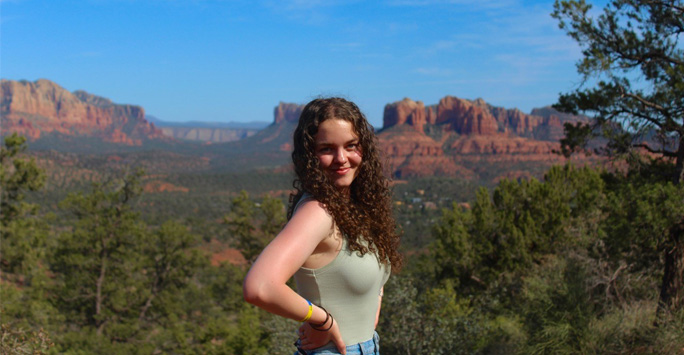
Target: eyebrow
{"type": "Point", "coordinates": [355, 140]}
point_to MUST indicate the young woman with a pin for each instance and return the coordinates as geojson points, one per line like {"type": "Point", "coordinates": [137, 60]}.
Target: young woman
{"type": "Point", "coordinates": [340, 241]}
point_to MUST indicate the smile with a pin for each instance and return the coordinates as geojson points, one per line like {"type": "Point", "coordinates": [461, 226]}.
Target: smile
{"type": "Point", "coordinates": [342, 171]}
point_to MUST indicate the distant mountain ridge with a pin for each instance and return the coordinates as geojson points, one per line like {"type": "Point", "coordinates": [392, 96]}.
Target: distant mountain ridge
{"type": "Point", "coordinates": [255, 125]}
{"type": "Point", "coordinates": [35, 109]}
{"type": "Point", "coordinates": [455, 137]}
{"type": "Point", "coordinates": [214, 132]}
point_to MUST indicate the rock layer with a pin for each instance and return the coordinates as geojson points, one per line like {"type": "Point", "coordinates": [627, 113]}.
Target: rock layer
{"type": "Point", "coordinates": [477, 118]}
{"type": "Point", "coordinates": [36, 108]}
{"type": "Point", "coordinates": [287, 112]}
{"type": "Point", "coordinates": [406, 111]}
{"type": "Point", "coordinates": [466, 117]}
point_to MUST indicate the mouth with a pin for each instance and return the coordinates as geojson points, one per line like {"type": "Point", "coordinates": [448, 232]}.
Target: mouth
{"type": "Point", "coordinates": [341, 171]}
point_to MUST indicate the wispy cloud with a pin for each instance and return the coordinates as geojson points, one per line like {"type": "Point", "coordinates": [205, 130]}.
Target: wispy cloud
{"type": "Point", "coordinates": [518, 29]}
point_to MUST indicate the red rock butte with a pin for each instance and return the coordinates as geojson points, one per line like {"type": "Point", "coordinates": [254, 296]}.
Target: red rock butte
{"type": "Point", "coordinates": [287, 112]}
{"type": "Point", "coordinates": [463, 133]}
{"type": "Point", "coordinates": [36, 108]}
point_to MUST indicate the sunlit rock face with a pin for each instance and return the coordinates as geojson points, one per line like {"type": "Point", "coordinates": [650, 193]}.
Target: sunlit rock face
{"type": "Point", "coordinates": [456, 136]}
{"type": "Point", "coordinates": [466, 117]}
{"type": "Point", "coordinates": [287, 112]}
{"type": "Point", "coordinates": [40, 107]}
{"type": "Point", "coordinates": [407, 112]}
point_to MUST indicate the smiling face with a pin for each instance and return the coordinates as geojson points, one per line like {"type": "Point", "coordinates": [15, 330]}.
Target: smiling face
{"type": "Point", "coordinates": [338, 151]}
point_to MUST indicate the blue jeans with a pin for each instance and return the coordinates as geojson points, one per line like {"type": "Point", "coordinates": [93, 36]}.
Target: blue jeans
{"type": "Point", "coordinates": [369, 347]}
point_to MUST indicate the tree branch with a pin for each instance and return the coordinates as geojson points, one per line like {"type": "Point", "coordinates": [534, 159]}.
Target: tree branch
{"type": "Point", "coordinates": [664, 152]}
{"type": "Point", "coordinates": [645, 102]}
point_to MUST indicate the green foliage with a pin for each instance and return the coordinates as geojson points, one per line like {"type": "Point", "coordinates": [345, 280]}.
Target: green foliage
{"type": "Point", "coordinates": [124, 286]}
{"type": "Point", "coordinates": [506, 234]}
{"type": "Point", "coordinates": [242, 221]}
{"type": "Point", "coordinates": [23, 237]}
{"type": "Point", "coordinates": [633, 67]}
{"type": "Point", "coordinates": [438, 322]}
{"type": "Point", "coordinates": [556, 306]}
{"type": "Point", "coordinates": [547, 266]}
{"type": "Point", "coordinates": [17, 176]}
{"type": "Point", "coordinates": [17, 341]}
{"type": "Point", "coordinates": [22, 232]}
{"type": "Point", "coordinates": [632, 329]}
{"type": "Point", "coordinates": [281, 334]}
{"type": "Point", "coordinates": [101, 254]}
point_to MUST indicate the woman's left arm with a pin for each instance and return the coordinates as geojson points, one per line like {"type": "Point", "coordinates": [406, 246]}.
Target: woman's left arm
{"type": "Point", "coordinates": [377, 315]}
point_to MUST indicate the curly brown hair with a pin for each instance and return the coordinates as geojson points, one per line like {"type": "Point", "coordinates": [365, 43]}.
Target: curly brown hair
{"type": "Point", "coordinates": [367, 211]}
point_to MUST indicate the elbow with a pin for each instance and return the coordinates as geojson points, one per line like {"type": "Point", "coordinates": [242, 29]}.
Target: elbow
{"type": "Point", "coordinates": [253, 291]}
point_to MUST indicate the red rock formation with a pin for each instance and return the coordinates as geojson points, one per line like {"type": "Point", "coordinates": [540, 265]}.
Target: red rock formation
{"type": "Point", "coordinates": [473, 136]}
{"type": "Point", "coordinates": [412, 153]}
{"type": "Point", "coordinates": [157, 186]}
{"type": "Point", "coordinates": [287, 112]}
{"type": "Point", "coordinates": [407, 112]}
{"type": "Point", "coordinates": [34, 108]}
{"type": "Point", "coordinates": [501, 144]}
{"type": "Point", "coordinates": [229, 255]}
{"type": "Point", "coordinates": [552, 127]}
{"type": "Point", "coordinates": [431, 112]}
{"type": "Point", "coordinates": [515, 121]}
{"type": "Point", "coordinates": [466, 117]}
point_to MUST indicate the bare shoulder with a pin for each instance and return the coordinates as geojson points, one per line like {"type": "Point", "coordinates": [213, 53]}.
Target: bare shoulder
{"type": "Point", "coordinates": [312, 212]}
{"type": "Point", "coordinates": [290, 249]}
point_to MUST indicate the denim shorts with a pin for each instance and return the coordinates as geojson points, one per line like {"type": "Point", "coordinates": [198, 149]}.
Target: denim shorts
{"type": "Point", "coordinates": [369, 347]}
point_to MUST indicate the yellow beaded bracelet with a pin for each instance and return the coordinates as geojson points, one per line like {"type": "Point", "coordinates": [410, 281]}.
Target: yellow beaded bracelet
{"type": "Point", "coordinates": [308, 315]}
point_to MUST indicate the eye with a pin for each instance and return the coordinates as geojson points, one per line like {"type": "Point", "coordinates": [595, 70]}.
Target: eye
{"type": "Point", "coordinates": [324, 150]}
{"type": "Point", "coordinates": [352, 146]}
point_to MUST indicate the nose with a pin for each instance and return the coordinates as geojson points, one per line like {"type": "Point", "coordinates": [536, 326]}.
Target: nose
{"type": "Point", "coordinates": [341, 156]}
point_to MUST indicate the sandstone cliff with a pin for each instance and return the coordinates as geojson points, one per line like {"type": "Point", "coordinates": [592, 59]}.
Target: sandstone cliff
{"type": "Point", "coordinates": [466, 117]}
{"type": "Point", "coordinates": [409, 153]}
{"type": "Point", "coordinates": [37, 108]}
{"type": "Point", "coordinates": [477, 118]}
{"type": "Point", "coordinates": [460, 137]}
{"type": "Point", "coordinates": [406, 111]}
{"type": "Point", "coordinates": [287, 112]}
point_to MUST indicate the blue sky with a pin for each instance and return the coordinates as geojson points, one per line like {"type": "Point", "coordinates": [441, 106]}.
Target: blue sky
{"type": "Point", "coordinates": [234, 60]}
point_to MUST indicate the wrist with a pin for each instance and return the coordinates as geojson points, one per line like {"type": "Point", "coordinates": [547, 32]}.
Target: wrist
{"type": "Point", "coordinates": [318, 316]}
{"type": "Point", "coordinates": [326, 324]}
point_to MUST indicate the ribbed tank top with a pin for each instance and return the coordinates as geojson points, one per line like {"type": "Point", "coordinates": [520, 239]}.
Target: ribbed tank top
{"type": "Point", "coordinates": [348, 287]}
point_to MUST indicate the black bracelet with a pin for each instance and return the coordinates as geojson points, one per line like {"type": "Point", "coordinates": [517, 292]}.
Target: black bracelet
{"type": "Point", "coordinates": [327, 315]}
{"type": "Point", "coordinates": [319, 326]}
{"type": "Point", "coordinates": [332, 320]}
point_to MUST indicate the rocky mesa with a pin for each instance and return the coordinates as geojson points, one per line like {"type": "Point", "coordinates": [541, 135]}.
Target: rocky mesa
{"type": "Point", "coordinates": [35, 109]}
{"type": "Point", "coordinates": [457, 136]}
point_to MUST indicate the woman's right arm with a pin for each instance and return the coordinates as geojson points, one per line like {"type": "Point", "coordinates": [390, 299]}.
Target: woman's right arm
{"type": "Point", "coordinates": [265, 284]}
